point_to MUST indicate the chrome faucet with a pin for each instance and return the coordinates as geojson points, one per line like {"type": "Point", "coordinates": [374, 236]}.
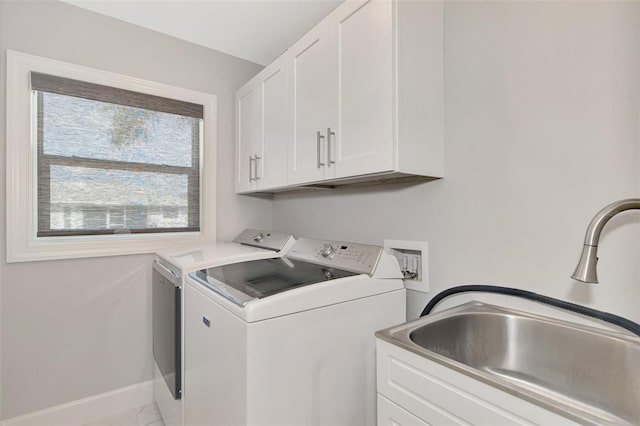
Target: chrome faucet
{"type": "Point", "coordinates": [586, 269]}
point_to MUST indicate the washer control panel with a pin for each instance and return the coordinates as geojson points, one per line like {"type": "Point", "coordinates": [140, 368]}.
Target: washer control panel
{"type": "Point", "coordinates": [360, 258]}
{"type": "Point", "coordinates": [264, 239]}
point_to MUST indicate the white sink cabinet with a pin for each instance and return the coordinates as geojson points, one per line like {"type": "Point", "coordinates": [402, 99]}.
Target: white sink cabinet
{"type": "Point", "coordinates": [413, 390]}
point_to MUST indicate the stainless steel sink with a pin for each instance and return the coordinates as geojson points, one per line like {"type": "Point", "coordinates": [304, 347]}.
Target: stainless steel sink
{"type": "Point", "coordinates": [582, 372]}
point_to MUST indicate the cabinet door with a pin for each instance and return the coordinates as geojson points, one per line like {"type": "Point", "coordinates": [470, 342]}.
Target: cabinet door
{"type": "Point", "coordinates": [247, 134]}
{"type": "Point", "coordinates": [390, 414]}
{"type": "Point", "coordinates": [312, 96]}
{"type": "Point", "coordinates": [361, 40]}
{"type": "Point", "coordinates": [215, 367]}
{"type": "Point", "coordinates": [271, 166]}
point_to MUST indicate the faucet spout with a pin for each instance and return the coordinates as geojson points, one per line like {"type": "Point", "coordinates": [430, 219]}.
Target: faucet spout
{"type": "Point", "coordinates": [586, 269]}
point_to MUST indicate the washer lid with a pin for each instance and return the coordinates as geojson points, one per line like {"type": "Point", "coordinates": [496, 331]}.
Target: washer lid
{"type": "Point", "coordinates": [257, 279]}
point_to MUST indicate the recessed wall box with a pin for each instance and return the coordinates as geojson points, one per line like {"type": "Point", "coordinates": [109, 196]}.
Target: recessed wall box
{"type": "Point", "coordinates": [413, 257]}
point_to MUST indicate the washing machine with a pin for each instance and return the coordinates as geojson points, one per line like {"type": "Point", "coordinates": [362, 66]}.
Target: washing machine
{"type": "Point", "coordinates": [289, 340]}
{"type": "Point", "coordinates": [170, 269]}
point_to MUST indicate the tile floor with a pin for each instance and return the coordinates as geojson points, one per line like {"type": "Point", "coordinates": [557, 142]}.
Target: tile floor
{"type": "Point", "coordinates": [148, 415]}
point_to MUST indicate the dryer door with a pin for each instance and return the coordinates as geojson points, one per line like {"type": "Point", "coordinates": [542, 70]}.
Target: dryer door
{"type": "Point", "coordinates": [166, 301]}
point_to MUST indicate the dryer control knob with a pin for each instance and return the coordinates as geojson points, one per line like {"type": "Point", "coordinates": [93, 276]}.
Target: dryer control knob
{"type": "Point", "coordinates": [327, 250]}
{"type": "Point", "coordinates": [258, 237]}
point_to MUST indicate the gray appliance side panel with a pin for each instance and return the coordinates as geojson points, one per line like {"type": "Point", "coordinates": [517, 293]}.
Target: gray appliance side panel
{"type": "Point", "coordinates": [167, 339]}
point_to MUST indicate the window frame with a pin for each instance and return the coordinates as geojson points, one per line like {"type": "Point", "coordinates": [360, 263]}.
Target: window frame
{"type": "Point", "coordinates": [22, 241]}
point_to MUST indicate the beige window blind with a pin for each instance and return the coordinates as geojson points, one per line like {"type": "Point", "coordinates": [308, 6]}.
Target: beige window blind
{"type": "Point", "coordinates": [114, 161]}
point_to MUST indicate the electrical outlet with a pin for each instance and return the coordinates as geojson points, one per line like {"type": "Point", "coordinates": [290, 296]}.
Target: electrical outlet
{"type": "Point", "coordinates": [413, 257]}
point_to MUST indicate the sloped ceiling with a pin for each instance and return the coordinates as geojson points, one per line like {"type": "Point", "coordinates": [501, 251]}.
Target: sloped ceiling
{"type": "Point", "coordinates": [255, 30]}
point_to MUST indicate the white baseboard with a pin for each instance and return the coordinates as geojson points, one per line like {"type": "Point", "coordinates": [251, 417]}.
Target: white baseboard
{"type": "Point", "coordinates": [81, 411]}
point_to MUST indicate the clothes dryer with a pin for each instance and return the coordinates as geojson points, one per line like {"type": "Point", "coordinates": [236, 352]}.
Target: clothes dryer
{"type": "Point", "coordinates": [169, 271]}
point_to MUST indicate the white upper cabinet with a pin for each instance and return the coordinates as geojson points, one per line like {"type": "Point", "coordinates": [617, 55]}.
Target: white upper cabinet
{"type": "Point", "coordinates": [274, 125]}
{"type": "Point", "coordinates": [365, 98]}
{"type": "Point", "coordinates": [263, 129]}
{"type": "Point", "coordinates": [247, 119]}
{"type": "Point", "coordinates": [362, 115]}
{"type": "Point", "coordinates": [312, 96]}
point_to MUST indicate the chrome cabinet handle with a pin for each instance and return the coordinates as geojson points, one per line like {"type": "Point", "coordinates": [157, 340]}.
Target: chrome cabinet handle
{"type": "Point", "coordinates": [255, 164]}
{"type": "Point", "coordinates": [318, 138]}
{"type": "Point", "coordinates": [251, 179]}
{"type": "Point", "coordinates": [329, 134]}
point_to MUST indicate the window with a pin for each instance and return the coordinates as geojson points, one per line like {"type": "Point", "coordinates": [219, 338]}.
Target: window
{"type": "Point", "coordinates": [100, 163]}
{"type": "Point", "coordinates": [111, 160]}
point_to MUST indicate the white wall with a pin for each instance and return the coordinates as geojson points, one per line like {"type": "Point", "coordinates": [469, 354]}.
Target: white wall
{"type": "Point", "coordinates": [71, 329]}
{"type": "Point", "coordinates": [542, 109]}
{"type": "Point", "coordinates": [541, 131]}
